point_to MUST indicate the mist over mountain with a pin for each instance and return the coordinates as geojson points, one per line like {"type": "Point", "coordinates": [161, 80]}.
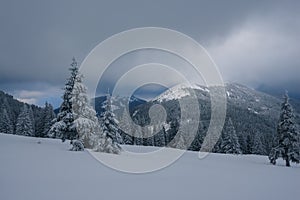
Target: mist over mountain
{"type": "Point", "coordinates": [278, 91]}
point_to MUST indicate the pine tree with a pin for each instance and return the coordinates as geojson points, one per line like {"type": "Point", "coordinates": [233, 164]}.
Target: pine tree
{"type": "Point", "coordinates": [39, 124]}
{"type": "Point", "coordinates": [249, 144]}
{"type": "Point", "coordinates": [109, 123]}
{"type": "Point", "coordinates": [179, 141]}
{"type": "Point", "coordinates": [197, 143]}
{"type": "Point", "coordinates": [85, 120]}
{"type": "Point", "coordinates": [25, 122]}
{"type": "Point", "coordinates": [77, 119]}
{"type": "Point", "coordinates": [63, 127]}
{"type": "Point", "coordinates": [138, 140]}
{"type": "Point", "coordinates": [229, 142]}
{"type": "Point", "coordinates": [257, 147]}
{"type": "Point", "coordinates": [287, 144]}
{"type": "Point", "coordinates": [48, 116]}
{"type": "Point", "coordinates": [127, 127]}
{"type": "Point", "coordinates": [6, 125]}
{"type": "Point", "coordinates": [160, 135]}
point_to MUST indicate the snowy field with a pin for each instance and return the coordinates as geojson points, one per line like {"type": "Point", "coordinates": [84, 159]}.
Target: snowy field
{"type": "Point", "coordinates": [48, 171]}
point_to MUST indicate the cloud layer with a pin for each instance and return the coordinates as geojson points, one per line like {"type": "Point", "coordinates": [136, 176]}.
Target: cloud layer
{"type": "Point", "coordinates": [252, 42]}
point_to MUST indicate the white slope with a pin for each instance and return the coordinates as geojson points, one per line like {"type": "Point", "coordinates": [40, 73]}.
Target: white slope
{"type": "Point", "coordinates": [174, 93]}
{"type": "Point", "coordinates": [47, 171]}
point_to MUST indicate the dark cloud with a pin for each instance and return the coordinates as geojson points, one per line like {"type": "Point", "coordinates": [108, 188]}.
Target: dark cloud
{"type": "Point", "coordinates": [39, 38]}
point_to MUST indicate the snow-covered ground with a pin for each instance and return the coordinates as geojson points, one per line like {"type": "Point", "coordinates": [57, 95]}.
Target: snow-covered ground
{"type": "Point", "coordinates": [33, 171]}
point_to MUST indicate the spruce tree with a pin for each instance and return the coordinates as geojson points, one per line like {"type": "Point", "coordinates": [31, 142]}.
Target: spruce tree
{"type": "Point", "coordinates": [6, 125]}
{"type": "Point", "coordinates": [77, 118]}
{"type": "Point", "coordinates": [39, 124]}
{"type": "Point", "coordinates": [63, 127]}
{"type": "Point", "coordinates": [287, 140]}
{"type": "Point", "coordinates": [127, 127]}
{"type": "Point", "coordinates": [48, 116]}
{"type": "Point", "coordinates": [229, 142]}
{"type": "Point", "coordinates": [257, 147]}
{"type": "Point", "coordinates": [25, 122]}
{"type": "Point", "coordinates": [85, 119]}
{"type": "Point", "coordinates": [109, 124]}
{"type": "Point", "coordinates": [249, 144]}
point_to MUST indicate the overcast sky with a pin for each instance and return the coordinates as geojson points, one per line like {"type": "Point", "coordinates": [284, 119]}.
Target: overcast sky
{"type": "Point", "coordinates": [253, 42]}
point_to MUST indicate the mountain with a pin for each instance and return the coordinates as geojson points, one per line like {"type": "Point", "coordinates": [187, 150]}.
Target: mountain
{"type": "Point", "coordinates": [252, 112]}
{"type": "Point", "coordinates": [238, 96]}
{"type": "Point", "coordinates": [118, 103]}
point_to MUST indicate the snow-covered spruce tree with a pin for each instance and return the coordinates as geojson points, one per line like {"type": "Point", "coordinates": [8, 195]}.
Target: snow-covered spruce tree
{"type": "Point", "coordinates": [77, 119]}
{"type": "Point", "coordinates": [63, 126]}
{"type": "Point", "coordinates": [25, 122]}
{"type": "Point", "coordinates": [258, 147]}
{"type": "Point", "coordinates": [85, 119]}
{"type": "Point", "coordinates": [39, 124]}
{"type": "Point", "coordinates": [229, 142]}
{"type": "Point", "coordinates": [109, 123]}
{"type": "Point", "coordinates": [127, 127]}
{"type": "Point", "coordinates": [160, 135]}
{"type": "Point", "coordinates": [6, 125]}
{"type": "Point", "coordinates": [179, 141]}
{"type": "Point", "coordinates": [48, 116]}
{"type": "Point", "coordinates": [44, 120]}
{"type": "Point", "coordinates": [287, 139]}
{"type": "Point", "coordinates": [138, 139]}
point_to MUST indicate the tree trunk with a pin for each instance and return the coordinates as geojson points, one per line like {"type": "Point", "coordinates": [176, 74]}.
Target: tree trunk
{"type": "Point", "coordinates": [287, 162]}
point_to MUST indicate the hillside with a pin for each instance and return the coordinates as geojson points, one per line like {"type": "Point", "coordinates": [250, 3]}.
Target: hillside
{"type": "Point", "coordinates": [10, 108]}
{"type": "Point", "coordinates": [49, 171]}
{"type": "Point", "coordinates": [252, 112]}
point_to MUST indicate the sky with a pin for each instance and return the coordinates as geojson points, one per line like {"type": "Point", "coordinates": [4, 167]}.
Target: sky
{"type": "Point", "coordinates": [255, 43]}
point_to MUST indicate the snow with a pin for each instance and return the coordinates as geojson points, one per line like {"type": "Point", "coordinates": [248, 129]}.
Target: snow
{"type": "Point", "coordinates": [253, 111]}
{"type": "Point", "coordinates": [134, 113]}
{"type": "Point", "coordinates": [228, 94]}
{"type": "Point", "coordinates": [200, 87]}
{"type": "Point", "coordinates": [179, 91]}
{"type": "Point", "coordinates": [174, 93]}
{"type": "Point", "coordinates": [33, 171]}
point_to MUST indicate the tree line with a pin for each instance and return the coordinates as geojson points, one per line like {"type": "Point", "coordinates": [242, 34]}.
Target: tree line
{"type": "Point", "coordinates": [77, 121]}
{"type": "Point", "coordinates": [24, 119]}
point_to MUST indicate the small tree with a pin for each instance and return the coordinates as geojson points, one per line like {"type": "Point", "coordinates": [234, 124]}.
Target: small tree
{"type": "Point", "coordinates": [257, 147]}
{"type": "Point", "coordinates": [6, 125]}
{"type": "Point", "coordinates": [229, 142]}
{"type": "Point", "coordinates": [109, 124]}
{"type": "Point", "coordinates": [48, 116]}
{"type": "Point", "coordinates": [287, 140]}
{"type": "Point", "coordinates": [126, 125]}
{"type": "Point", "coordinates": [25, 122]}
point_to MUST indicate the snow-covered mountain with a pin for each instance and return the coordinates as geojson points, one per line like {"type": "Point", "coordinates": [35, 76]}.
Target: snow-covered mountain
{"type": "Point", "coordinates": [179, 91]}
{"type": "Point", "coordinates": [252, 112]}
{"type": "Point", "coordinates": [237, 95]}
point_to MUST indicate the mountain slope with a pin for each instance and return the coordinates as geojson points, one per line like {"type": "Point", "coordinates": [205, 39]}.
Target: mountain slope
{"type": "Point", "coordinates": [118, 103]}
{"type": "Point", "coordinates": [13, 107]}
{"type": "Point", "coordinates": [252, 112]}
